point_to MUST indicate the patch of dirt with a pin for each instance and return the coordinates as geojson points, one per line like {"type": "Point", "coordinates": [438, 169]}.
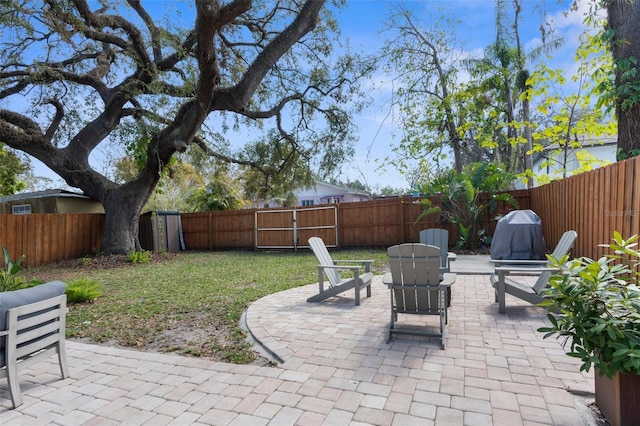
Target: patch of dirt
{"type": "Point", "coordinates": [69, 268]}
{"type": "Point", "coordinates": [476, 251]}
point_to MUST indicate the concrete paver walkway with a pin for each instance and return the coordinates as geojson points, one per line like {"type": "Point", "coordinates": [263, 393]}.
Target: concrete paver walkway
{"type": "Point", "coordinates": [337, 369]}
{"type": "Point", "coordinates": [472, 264]}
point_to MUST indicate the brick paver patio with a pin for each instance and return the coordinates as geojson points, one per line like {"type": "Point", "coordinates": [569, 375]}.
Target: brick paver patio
{"type": "Point", "coordinates": [336, 369]}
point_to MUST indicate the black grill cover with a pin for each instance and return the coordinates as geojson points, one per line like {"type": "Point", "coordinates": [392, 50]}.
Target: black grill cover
{"type": "Point", "coordinates": [518, 236]}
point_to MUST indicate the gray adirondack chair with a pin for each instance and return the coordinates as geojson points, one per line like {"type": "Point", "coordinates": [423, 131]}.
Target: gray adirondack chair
{"type": "Point", "coordinates": [329, 268]}
{"type": "Point", "coordinates": [439, 238]}
{"type": "Point", "coordinates": [416, 287]}
{"type": "Point", "coordinates": [504, 285]}
{"type": "Point", "coordinates": [32, 328]}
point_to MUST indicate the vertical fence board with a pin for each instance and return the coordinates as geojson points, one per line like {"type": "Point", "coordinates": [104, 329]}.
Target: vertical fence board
{"type": "Point", "coordinates": [570, 210]}
{"type": "Point", "coordinates": [612, 222]}
{"type": "Point", "coordinates": [39, 241]}
{"type": "Point", "coordinates": [627, 202]}
{"type": "Point", "coordinates": [581, 226]}
{"type": "Point", "coordinates": [588, 187]}
{"type": "Point", "coordinates": [3, 231]}
{"type": "Point", "coordinates": [29, 230]}
{"type": "Point", "coordinates": [602, 196]}
{"type": "Point", "coordinates": [47, 236]}
{"type": "Point", "coordinates": [635, 209]}
{"type": "Point", "coordinates": [62, 240]}
{"type": "Point", "coordinates": [591, 205]}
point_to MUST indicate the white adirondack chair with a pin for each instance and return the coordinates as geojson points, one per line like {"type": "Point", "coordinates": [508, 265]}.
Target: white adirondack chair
{"type": "Point", "coordinates": [416, 287]}
{"type": "Point", "coordinates": [504, 285]}
{"type": "Point", "coordinates": [32, 328]}
{"type": "Point", "coordinates": [331, 269]}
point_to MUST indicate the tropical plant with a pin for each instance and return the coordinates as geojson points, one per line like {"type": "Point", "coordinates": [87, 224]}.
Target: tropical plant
{"type": "Point", "coordinates": [9, 278]}
{"type": "Point", "coordinates": [460, 197]}
{"type": "Point", "coordinates": [594, 305]}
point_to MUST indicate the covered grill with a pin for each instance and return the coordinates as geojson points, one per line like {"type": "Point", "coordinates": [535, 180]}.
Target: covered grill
{"type": "Point", "coordinates": [518, 235]}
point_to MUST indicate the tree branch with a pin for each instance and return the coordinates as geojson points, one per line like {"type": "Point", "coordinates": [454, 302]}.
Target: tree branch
{"type": "Point", "coordinates": [55, 123]}
{"type": "Point", "coordinates": [237, 98]}
{"type": "Point", "coordinates": [114, 21]}
{"type": "Point", "coordinates": [151, 26]}
{"type": "Point", "coordinates": [203, 145]}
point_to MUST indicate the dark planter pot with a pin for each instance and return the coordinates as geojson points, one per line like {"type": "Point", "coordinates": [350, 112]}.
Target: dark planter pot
{"type": "Point", "coordinates": [619, 398]}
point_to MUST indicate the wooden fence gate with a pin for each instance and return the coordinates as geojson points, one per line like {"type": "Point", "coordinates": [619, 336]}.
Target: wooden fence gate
{"type": "Point", "coordinates": [292, 228]}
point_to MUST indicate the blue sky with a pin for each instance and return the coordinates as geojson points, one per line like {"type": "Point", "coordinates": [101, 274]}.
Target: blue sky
{"type": "Point", "coordinates": [361, 20]}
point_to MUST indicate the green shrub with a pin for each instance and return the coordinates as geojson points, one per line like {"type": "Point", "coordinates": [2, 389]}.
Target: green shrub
{"type": "Point", "coordinates": [9, 278]}
{"type": "Point", "coordinates": [83, 290]}
{"type": "Point", "coordinates": [594, 308]}
{"type": "Point", "coordinates": [139, 256]}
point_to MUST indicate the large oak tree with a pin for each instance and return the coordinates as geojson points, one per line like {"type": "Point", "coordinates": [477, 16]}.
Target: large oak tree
{"type": "Point", "coordinates": [75, 75]}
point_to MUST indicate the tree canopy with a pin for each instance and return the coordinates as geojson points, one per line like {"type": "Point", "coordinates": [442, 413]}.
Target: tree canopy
{"type": "Point", "coordinates": [11, 167]}
{"type": "Point", "coordinates": [77, 75]}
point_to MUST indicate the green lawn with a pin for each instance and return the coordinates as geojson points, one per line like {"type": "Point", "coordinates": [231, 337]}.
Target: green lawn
{"type": "Point", "coordinates": [190, 304]}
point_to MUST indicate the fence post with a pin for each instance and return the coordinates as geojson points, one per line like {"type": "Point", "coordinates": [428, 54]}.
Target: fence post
{"type": "Point", "coordinates": [403, 234]}
{"type": "Point", "coordinates": [339, 226]}
{"type": "Point", "coordinates": [211, 233]}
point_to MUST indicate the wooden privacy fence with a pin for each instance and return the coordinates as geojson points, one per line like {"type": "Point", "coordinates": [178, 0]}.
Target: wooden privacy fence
{"type": "Point", "coordinates": [375, 223]}
{"type": "Point", "coordinates": [594, 204]}
{"type": "Point", "coordinates": [48, 238]}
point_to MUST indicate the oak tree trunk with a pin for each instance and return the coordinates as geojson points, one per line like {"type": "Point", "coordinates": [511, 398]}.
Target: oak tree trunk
{"type": "Point", "coordinates": [624, 16]}
{"type": "Point", "coordinates": [122, 207]}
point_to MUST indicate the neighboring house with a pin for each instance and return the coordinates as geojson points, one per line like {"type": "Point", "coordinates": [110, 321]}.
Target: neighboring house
{"type": "Point", "coordinates": [322, 193]}
{"type": "Point", "coordinates": [548, 165]}
{"type": "Point", "coordinates": [49, 201]}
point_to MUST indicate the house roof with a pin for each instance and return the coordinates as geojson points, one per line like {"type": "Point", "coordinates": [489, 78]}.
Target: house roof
{"type": "Point", "coordinates": [43, 194]}
{"type": "Point", "coordinates": [586, 143]}
{"type": "Point", "coordinates": [341, 189]}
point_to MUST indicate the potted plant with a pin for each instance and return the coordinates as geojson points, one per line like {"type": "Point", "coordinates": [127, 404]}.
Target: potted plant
{"type": "Point", "coordinates": [594, 306]}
